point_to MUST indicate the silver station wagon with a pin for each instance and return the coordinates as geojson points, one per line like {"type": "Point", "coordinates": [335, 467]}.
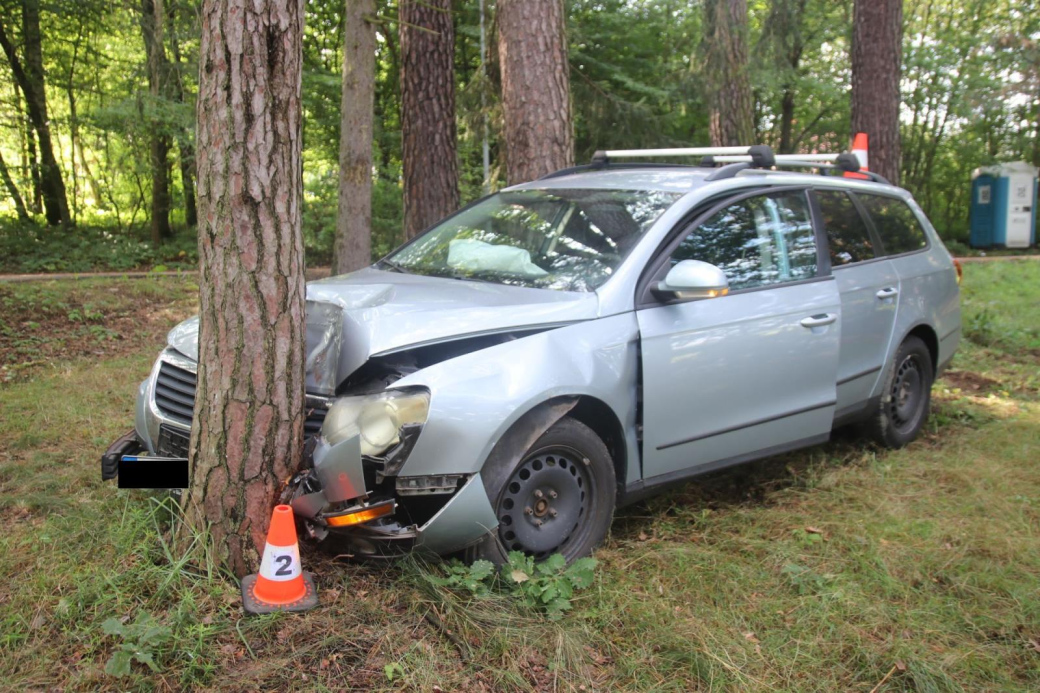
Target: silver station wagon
{"type": "Point", "coordinates": [508, 378]}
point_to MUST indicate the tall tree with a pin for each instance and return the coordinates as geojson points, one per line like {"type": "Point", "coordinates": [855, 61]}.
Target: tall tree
{"type": "Point", "coordinates": [877, 40]}
{"type": "Point", "coordinates": [30, 80]}
{"type": "Point", "coordinates": [353, 245]}
{"type": "Point", "coordinates": [536, 93]}
{"type": "Point", "coordinates": [184, 144]}
{"type": "Point", "coordinates": [428, 147]}
{"type": "Point", "coordinates": [152, 28]}
{"type": "Point", "coordinates": [731, 119]}
{"type": "Point", "coordinates": [247, 435]}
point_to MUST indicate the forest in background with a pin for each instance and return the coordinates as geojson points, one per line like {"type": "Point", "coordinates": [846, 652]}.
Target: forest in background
{"type": "Point", "coordinates": [120, 78]}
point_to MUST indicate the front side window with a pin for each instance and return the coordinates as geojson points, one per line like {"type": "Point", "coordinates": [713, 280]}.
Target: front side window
{"type": "Point", "coordinates": [757, 241]}
{"type": "Point", "coordinates": [847, 236]}
{"type": "Point", "coordinates": [897, 225]}
{"type": "Point", "coordinates": [568, 240]}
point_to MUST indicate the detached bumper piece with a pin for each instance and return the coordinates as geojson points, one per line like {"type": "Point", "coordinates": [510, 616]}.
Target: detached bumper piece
{"type": "Point", "coordinates": [127, 444]}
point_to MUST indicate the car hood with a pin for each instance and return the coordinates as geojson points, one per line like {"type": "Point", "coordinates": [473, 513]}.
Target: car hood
{"type": "Point", "coordinates": [389, 311]}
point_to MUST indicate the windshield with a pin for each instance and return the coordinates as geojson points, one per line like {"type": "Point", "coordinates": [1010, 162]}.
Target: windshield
{"type": "Point", "coordinates": [568, 240]}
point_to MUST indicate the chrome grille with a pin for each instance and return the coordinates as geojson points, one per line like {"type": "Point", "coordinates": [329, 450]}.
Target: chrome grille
{"type": "Point", "coordinates": [175, 398]}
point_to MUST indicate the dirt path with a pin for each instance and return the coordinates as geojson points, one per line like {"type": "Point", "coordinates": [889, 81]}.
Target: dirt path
{"type": "Point", "coordinates": [313, 273]}
{"type": "Point", "coordinates": [994, 258]}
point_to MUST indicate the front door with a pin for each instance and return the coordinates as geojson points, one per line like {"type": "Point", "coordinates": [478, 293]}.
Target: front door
{"type": "Point", "coordinates": [732, 378]}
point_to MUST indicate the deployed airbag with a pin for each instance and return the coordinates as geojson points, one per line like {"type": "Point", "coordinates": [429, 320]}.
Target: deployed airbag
{"type": "Point", "coordinates": [477, 256]}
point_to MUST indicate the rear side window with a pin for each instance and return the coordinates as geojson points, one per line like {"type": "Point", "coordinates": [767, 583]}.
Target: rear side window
{"type": "Point", "coordinates": [896, 224]}
{"type": "Point", "coordinates": [757, 241]}
{"type": "Point", "coordinates": [847, 236]}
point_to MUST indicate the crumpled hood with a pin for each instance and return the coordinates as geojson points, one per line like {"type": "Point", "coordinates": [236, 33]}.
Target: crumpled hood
{"type": "Point", "coordinates": [388, 311]}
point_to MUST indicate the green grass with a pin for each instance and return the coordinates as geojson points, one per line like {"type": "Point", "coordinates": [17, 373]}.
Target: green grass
{"type": "Point", "coordinates": [828, 569]}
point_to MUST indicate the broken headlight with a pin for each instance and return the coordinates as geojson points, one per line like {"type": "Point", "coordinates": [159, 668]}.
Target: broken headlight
{"type": "Point", "coordinates": [377, 419]}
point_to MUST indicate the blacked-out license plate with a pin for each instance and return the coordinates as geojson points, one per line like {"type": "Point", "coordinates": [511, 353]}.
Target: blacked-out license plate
{"type": "Point", "coordinates": [153, 472]}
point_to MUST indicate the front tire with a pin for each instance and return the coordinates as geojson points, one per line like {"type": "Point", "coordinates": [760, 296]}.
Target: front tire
{"type": "Point", "coordinates": [906, 396]}
{"type": "Point", "coordinates": [559, 498]}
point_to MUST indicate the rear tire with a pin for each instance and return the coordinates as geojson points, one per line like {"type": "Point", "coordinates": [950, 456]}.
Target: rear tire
{"type": "Point", "coordinates": [559, 498]}
{"type": "Point", "coordinates": [905, 397]}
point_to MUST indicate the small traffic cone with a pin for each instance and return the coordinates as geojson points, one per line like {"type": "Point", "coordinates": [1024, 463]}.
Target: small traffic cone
{"type": "Point", "coordinates": [281, 584]}
{"type": "Point", "coordinates": [859, 148]}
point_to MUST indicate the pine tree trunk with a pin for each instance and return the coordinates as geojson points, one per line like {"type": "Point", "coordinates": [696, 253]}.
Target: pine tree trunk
{"type": "Point", "coordinates": [536, 93]}
{"type": "Point", "coordinates": [428, 147]}
{"type": "Point", "coordinates": [877, 38]}
{"type": "Point", "coordinates": [247, 435]}
{"type": "Point", "coordinates": [30, 79]}
{"type": "Point", "coordinates": [152, 20]}
{"type": "Point", "coordinates": [730, 116]}
{"type": "Point", "coordinates": [353, 246]}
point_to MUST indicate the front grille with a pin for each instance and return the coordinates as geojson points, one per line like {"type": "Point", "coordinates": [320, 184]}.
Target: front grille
{"type": "Point", "coordinates": [175, 398]}
{"type": "Point", "coordinates": [172, 442]}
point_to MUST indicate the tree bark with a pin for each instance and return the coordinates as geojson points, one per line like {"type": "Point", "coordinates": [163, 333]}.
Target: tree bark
{"type": "Point", "coordinates": [428, 147]}
{"type": "Point", "coordinates": [12, 189]}
{"type": "Point", "coordinates": [152, 21]}
{"type": "Point", "coordinates": [877, 37]}
{"type": "Point", "coordinates": [247, 436]}
{"type": "Point", "coordinates": [536, 92]}
{"type": "Point", "coordinates": [353, 245]}
{"type": "Point", "coordinates": [730, 117]}
{"type": "Point", "coordinates": [31, 81]}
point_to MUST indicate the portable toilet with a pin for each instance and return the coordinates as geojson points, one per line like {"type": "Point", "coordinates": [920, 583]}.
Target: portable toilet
{"type": "Point", "coordinates": [1003, 205]}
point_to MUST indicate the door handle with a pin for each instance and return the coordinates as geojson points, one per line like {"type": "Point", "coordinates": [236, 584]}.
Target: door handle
{"type": "Point", "coordinates": [887, 292]}
{"type": "Point", "coordinates": [818, 320]}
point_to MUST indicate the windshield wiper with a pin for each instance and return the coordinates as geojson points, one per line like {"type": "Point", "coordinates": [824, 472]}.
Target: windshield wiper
{"type": "Point", "coordinates": [393, 266]}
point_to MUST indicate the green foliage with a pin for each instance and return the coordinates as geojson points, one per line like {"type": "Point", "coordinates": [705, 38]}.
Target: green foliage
{"type": "Point", "coordinates": [549, 585]}
{"type": "Point", "coordinates": [473, 578]}
{"type": "Point", "coordinates": [140, 640]}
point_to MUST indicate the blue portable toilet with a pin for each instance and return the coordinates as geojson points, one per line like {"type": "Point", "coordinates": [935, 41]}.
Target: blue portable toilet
{"type": "Point", "coordinates": [1003, 206]}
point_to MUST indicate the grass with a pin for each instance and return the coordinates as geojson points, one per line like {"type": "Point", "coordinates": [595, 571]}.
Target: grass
{"type": "Point", "coordinates": [841, 567]}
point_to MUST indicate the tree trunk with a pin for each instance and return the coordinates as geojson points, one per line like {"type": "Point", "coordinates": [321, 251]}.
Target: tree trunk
{"type": "Point", "coordinates": [30, 79]}
{"type": "Point", "coordinates": [152, 21]}
{"type": "Point", "coordinates": [30, 164]}
{"type": "Point", "coordinates": [247, 436]}
{"type": "Point", "coordinates": [353, 246]}
{"type": "Point", "coordinates": [184, 145]}
{"type": "Point", "coordinates": [730, 117]}
{"type": "Point", "coordinates": [877, 35]}
{"type": "Point", "coordinates": [536, 92]}
{"type": "Point", "coordinates": [12, 189]}
{"type": "Point", "coordinates": [431, 179]}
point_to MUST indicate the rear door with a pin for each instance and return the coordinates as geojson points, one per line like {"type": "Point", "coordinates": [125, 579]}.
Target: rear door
{"type": "Point", "coordinates": [731, 378]}
{"type": "Point", "coordinates": [869, 288]}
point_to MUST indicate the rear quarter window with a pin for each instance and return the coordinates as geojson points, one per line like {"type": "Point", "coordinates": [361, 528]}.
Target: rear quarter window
{"type": "Point", "coordinates": [896, 224]}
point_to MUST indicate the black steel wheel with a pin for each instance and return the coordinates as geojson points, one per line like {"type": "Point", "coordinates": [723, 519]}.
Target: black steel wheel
{"type": "Point", "coordinates": [559, 497]}
{"type": "Point", "coordinates": [906, 396]}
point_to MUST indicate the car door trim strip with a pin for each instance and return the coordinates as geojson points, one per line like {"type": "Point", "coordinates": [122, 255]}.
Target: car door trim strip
{"type": "Point", "coordinates": [757, 422]}
{"type": "Point", "coordinates": [857, 376]}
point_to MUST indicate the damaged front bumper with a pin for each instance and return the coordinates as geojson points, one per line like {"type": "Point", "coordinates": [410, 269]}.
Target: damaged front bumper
{"type": "Point", "coordinates": [346, 496]}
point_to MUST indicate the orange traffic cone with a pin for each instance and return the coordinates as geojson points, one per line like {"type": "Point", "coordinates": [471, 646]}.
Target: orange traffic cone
{"type": "Point", "coordinates": [281, 584]}
{"type": "Point", "coordinates": [859, 148]}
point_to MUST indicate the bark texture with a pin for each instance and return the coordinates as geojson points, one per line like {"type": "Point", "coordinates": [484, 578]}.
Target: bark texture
{"type": "Point", "coordinates": [31, 81]}
{"type": "Point", "coordinates": [428, 148]}
{"type": "Point", "coordinates": [353, 246]}
{"type": "Point", "coordinates": [249, 410]}
{"type": "Point", "coordinates": [730, 114]}
{"type": "Point", "coordinates": [877, 55]}
{"type": "Point", "coordinates": [536, 91]}
{"type": "Point", "coordinates": [152, 29]}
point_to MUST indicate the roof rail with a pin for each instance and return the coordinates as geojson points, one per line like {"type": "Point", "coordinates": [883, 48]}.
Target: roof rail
{"type": "Point", "coordinates": [760, 155]}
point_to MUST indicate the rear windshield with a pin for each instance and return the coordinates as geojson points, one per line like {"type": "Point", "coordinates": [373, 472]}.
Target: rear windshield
{"type": "Point", "coordinates": [896, 224]}
{"type": "Point", "coordinates": [568, 240]}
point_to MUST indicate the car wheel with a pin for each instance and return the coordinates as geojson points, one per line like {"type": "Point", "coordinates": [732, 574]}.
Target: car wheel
{"type": "Point", "coordinates": [906, 397]}
{"type": "Point", "coordinates": [559, 498]}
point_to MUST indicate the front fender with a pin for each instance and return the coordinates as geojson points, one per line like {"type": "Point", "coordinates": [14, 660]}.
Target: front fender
{"type": "Point", "coordinates": [475, 398]}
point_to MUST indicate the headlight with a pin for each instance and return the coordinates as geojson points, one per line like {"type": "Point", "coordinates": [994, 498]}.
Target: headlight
{"type": "Point", "coordinates": [378, 419]}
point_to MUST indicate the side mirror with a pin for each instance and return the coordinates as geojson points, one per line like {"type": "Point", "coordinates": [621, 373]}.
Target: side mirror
{"type": "Point", "coordinates": [693, 279]}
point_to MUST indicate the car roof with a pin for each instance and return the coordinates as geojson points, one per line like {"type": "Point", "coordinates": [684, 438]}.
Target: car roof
{"type": "Point", "coordinates": [682, 179]}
